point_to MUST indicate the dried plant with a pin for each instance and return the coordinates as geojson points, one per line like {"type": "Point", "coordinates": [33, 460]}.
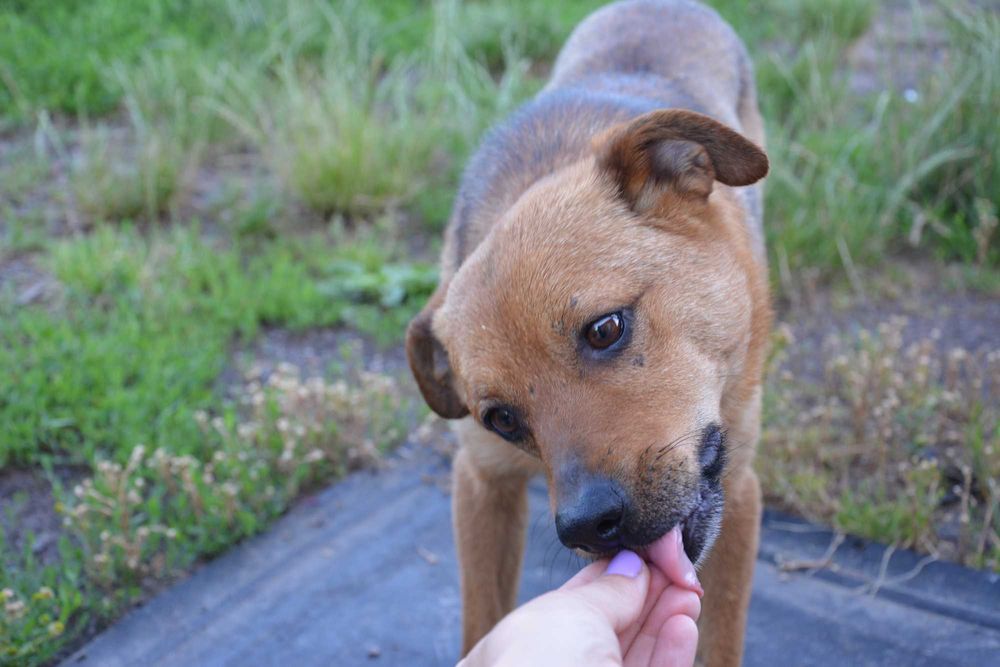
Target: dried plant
{"type": "Point", "coordinates": [900, 443]}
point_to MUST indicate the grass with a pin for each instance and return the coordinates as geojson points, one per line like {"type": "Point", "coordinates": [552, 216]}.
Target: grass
{"type": "Point", "coordinates": [359, 107]}
{"type": "Point", "coordinates": [858, 178]}
{"type": "Point", "coordinates": [108, 379]}
{"type": "Point", "coordinates": [113, 365]}
{"type": "Point", "coordinates": [137, 524]}
{"type": "Point", "coordinates": [895, 443]}
{"type": "Point", "coordinates": [192, 173]}
{"type": "Point", "coordinates": [348, 130]}
{"type": "Point", "coordinates": [110, 186]}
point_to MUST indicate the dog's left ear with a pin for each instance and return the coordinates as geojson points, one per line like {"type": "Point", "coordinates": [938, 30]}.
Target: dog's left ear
{"type": "Point", "coordinates": [429, 362]}
{"type": "Point", "coordinates": [676, 152]}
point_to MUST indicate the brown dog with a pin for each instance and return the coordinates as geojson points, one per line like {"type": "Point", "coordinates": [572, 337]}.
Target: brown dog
{"type": "Point", "coordinates": [603, 313]}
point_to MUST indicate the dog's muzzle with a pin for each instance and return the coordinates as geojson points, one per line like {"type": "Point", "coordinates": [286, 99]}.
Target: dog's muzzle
{"type": "Point", "coordinates": [599, 518]}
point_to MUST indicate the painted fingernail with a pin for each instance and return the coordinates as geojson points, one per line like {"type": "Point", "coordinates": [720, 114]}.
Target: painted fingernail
{"type": "Point", "coordinates": [626, 563]}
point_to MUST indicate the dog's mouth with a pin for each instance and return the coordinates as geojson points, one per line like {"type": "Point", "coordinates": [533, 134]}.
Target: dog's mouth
{"type": "Point", "coordinates": [693, 516]}
{"type": "Point", "coordinates": [701, 526]}
{"type": "Point", "coordinates": [698, 529]}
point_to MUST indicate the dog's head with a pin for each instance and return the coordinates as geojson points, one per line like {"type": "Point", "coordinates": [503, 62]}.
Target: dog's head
{"type": "Point", "coordinates": [601, 325]}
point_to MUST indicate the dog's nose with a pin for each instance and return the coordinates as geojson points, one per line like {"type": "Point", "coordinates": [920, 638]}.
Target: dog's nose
{"type": "Point", "coordinates": [593, 520]}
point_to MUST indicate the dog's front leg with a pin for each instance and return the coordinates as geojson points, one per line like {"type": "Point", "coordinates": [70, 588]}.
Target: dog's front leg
{"type": "Point", "coordinates": [490, 514]}
{"type": "Point", "coordinates": [728, 574]}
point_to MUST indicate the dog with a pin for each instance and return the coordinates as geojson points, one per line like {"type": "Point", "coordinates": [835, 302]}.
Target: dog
{"type": "Point", "coordinates": [603, 313]}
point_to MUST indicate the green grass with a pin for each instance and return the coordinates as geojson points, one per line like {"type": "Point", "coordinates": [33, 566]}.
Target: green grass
{"type": "Point", "coordinates": [349, 129]}
{"type": "Point", "coordinates": [42, 604]}
{"type": "Point", "coordinates": [857, 178]}
{"type": "Point", "coordinates": [55, 55]}
{"type": "Point", "coordinates": [130, 355]}
{"type": "Point", "coordinates": [114, 364]}
{"type": "Point", "coordinates": [362, 107]}
{"type": "Point", "coordinates": [109, 186]}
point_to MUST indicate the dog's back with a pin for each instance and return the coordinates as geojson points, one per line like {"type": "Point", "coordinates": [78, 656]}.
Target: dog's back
{"type": "Point", "coordinates": [624, 60]}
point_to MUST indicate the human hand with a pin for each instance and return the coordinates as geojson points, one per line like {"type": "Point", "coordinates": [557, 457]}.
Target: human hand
{"type": "Point", "coordinates": [617, 613]}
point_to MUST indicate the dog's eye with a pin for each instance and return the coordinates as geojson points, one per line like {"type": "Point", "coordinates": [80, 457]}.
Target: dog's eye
{"type": "Point", "coordinates": [503, 421]}
{"type": "Point", "coordinates": [605, 331]}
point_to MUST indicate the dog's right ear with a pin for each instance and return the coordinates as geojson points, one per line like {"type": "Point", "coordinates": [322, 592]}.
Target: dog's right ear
{"type": "Point", "coordinates": [676, 153]}
{"type": "Point", "coordinates": [429, 362]}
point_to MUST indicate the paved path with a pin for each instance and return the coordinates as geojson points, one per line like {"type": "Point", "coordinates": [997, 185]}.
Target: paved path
{"type": "Point", "coordinates": [364, 573]}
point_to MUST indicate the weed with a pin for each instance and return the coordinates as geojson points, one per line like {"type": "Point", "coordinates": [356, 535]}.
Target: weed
{"type": "Point", "coordinates": [350, 132]}
{"type": "Point", "coordinates": [146, 520]}
{"type": "Point", "coordinates": [149, 517]}
{"type": "Point", "coordinates": [109, 185]}
{"type": "Point", "coordinates": [897, 444]}
{"type": "Point", "coordinates": [855, 177]}
{"type": "Point", "coordinates": [41, 604]}
{"type": "Point", "coordinates": [113, 364]}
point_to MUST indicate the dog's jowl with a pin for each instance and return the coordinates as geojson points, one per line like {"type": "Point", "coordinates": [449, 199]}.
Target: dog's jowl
{"type": "Point", "coordinates": [603, 313]}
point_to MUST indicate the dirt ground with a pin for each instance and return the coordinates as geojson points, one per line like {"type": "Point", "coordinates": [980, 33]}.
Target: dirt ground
{"type": "Point", "coordinates": [929, 297]}
{"type": "Point", "coordinates": [905, 41]}
{"type": "Point", "coordinates": [27, 509]}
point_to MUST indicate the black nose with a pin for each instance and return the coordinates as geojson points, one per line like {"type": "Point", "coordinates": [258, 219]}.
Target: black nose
{"type": "Point", "coordinates": [592, 521]}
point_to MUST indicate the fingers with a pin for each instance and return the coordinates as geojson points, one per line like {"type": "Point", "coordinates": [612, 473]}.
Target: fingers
{"type": "Point", "coordinates": [619, 594]}
{"type": "Point", "coordinates": [657, 584]}
{"type": "Point", "coordinates": [677, 643]}
{"type": "Point", "coordinates": [647, 641]}
{"type": "Point", "coordinates": [673, 602]}
{"type": "Point", "coordinates": [587, 574]}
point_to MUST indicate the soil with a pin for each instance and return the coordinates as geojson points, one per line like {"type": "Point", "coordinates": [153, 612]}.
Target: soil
{"type": "Point", "coordinates": [920, 294]}
{"type": "Point", "coordinates": [29, 283]}
{"type": "Point", "coordinates": [314, 352]}
{"type": "Point", "coordinates": [905, 41]}
{"type": "Point", "coordinates": [27, 508]}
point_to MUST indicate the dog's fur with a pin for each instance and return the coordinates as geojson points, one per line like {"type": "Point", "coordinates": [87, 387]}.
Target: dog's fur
{"type": "Point", "coordinates": [626, 183]}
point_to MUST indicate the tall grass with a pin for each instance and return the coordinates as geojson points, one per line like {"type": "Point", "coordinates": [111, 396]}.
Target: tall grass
{"type": "Point", "coordinates": [950, 144]}
{"type": "Point", "coordinates": [350, 130]}
{"type": "Point", "coordinates": [132, 177]}
{"type": "Point", "coordinates": [857, 178]}
{"type": "Point", "coordinates": [358, 107]}
{"type": "Point", "coordinates": [343, 135]}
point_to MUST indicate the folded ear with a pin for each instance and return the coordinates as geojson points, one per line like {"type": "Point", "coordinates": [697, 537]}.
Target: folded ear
{"type": "Point", "coordinates": [676, 152]}
{"type": "Point", "coordinates": [429, 362]}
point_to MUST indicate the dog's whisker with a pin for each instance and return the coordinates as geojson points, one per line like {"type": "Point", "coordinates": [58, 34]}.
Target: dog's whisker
{"type": "Point", "coordinates": [537, 524]}
{"type": "Point", "coordinates": [555, 548]}
{"type": "Point", "coordinates": [683, 439]}
{"type": "Point", "coordinates": [673, 444]}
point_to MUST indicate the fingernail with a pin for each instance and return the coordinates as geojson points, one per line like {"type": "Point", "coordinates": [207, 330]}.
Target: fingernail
{"type": "Point", "coordinates": [626, 563]}
{"type": "Point", "coordinates": [687, 568]}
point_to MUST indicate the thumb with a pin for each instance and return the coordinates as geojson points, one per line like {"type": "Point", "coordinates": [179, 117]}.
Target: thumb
{"type": "Point", "coordinates": [620, 593]}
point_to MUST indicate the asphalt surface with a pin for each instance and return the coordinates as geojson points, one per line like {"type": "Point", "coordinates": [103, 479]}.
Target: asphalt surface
{"type": "Point", "coordinates": [364, 573]}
